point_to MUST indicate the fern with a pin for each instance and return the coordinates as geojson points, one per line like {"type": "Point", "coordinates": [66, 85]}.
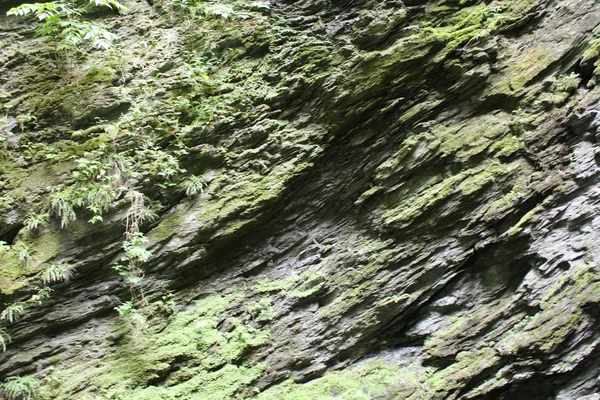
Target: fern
{"type": "Point", "coordinates": [42, 294]}
{"type": "Point", "coordinates": [34, 221]}
{"type": "Point", "coordinates": [57, 273]}
{"type": "Point", "coordinates": [62, 208]}
{"type": "Point", "coordinates": [24, 254]}
{"type": "Point", "coordinates": [4, 339]}
{"type": "Point", "coordinates": [12, 312]}
{"type": "Point", "coordinates": [19, 387]}
{"type": "Point", "coordinates": [193, 184]}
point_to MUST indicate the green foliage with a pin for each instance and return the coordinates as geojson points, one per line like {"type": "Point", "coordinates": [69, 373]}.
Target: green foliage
{"type": "Point", "coordinates": [12, 311]}
{"type": "Point", "coordinates": [4, 339]}
{"type": "Point", "coordinates": [43, 11]}
{"type": "Point", "coordinates": [34, 221]}
{"type": "Point", "coordinates": [25, 119]}
{"type": "Point", "coordinates": [65, 29]}
{"type": "Point", "coordinates": [19, 387]}
{"type": "Point", "coordinates": [134, 250]}
{"type": "Point", "coordinates": [133, 317]}
{"type": "Point", "coordinates": [62, 208]}
{"type": "Point", "coordinates": [167, 305]}
{"type": "Point", "coordinates": [42, 294]}
{"type": "Point", "coordinates": [62, 26]}
{"type": "Point", "coordinates": [24, 254]}
{"type": "Point", "coordinates": [135, 254]}
{"type": "Point", "coordinates": [70, 35]}
{"type": "Point", "coordinates": [57, 273]}
{"type": "Point", "coordinates": [193, 184]}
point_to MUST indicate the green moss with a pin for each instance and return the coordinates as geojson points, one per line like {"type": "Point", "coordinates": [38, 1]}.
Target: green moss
{"type": "Point", "coordinates": [312, 284]}
{"type": "Point", "coordinates": [504, 204]}
{"type": "Point", "coordinates": [209, 361]}
{"type": "Point", "coordinates": [262, 309]}
{"type": "Point", "coordinates": [473, 137]}
{"type": "Point", "coordinates": [518, 227]}
{"type": "Point", "coordinates": [14, 273]}
{"type": "Point", "coordinates": [529, 65]}
{"type": "Point", "coordinates": [230, 211]}
{"type": "Point", "coordinates": [508, 146]}
{"type": "Point", "coordinates": [358, 279]}
{"type": "Point", "coordinates": [468, 365]}
{"type": "Point", "coordinates": [280, 285]}
{"type": "Point", "coordinates": [561, 312]}
{"type": "Point", "coordinates": [89, 145]}
{"type": "Point", "coordinates": [591, 56]}
{"type": "Point", "coordinates": [367, 381]}
{"type": "Point", "coordinates": [66, 101]}
{"type": "Point", "coordinates": [465, 183]}
{"type": "Point", "coordinates": [167, 227]}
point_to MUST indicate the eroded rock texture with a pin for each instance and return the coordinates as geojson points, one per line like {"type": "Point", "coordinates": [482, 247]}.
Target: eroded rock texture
{"type": "Point", "coordinates": [402, 203]}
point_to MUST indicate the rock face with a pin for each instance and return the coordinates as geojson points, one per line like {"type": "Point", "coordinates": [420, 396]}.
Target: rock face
{"type": "Point", "coordinates": [400, 202]}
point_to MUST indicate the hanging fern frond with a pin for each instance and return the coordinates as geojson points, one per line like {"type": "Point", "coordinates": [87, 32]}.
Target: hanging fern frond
{"type": "Point", "coordinates": [57, 273]}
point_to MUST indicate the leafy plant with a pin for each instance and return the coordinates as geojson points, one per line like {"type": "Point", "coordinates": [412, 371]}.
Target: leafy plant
{"type": "Point", "coordinates": [12, 311]}
{"type": "Point", "coordinates": [134, 318]}
{"type": "Point", "coordinates": [24, 119]}
{"type": "Point", "coordinates": [61, 207]}
{"type": "Point", "coordinates": [42, 294]}
{"type": "Point", "coordinates": [19, 387]}
{"type": "Point", "coordinates": [34, 221]}
{"type": "Point", "coordinates": [25, 254]}
{"type": "Point", "coordinates": [64, 28]}
{"type": "Point", "coordinates": [167, 305]}
{"type": "Point", "coordinates": [193, 184]}
{"type": "Point", "coordinates": [4, 339]}
{"type": "Point", "coordinates": [133, 248]}
{"type": "Point", "coordinates": [57, 273]}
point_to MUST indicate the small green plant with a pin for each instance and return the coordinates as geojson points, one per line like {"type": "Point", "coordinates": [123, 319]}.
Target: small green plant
{"type": "Point", "coordinates": [4, 339]}
{"type": "Point", "coordinates": [134, 252]}
{"type": "Point", "coordinates": [66, 30]}
{"type": "Point", "coordinates": [57, 273]}
{"type": "Point", "coordinates": [193, 184]}
{"type": "Point", "coordinates": [34, 221]}
{"type": "Point", "coordinates": [133, 317]}
{"type": "Point", "coordinates": [24, 119]}
{"type": "Point", "coordinates": [167, 305]}
{"type": "Point", "coordinates": [19, 387]}
{"type": "Point", "coordinates": [42, 294]}
{"type": "Point", "coordinates": [24, 254]}
{"type": "Point", "coordinates": [12, 311]}
{"type": "Point", "coordinates": [62, 208]}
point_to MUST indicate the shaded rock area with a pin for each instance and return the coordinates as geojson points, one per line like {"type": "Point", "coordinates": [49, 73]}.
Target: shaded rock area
{"type": "Point", "coordinates": [401, 201]}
